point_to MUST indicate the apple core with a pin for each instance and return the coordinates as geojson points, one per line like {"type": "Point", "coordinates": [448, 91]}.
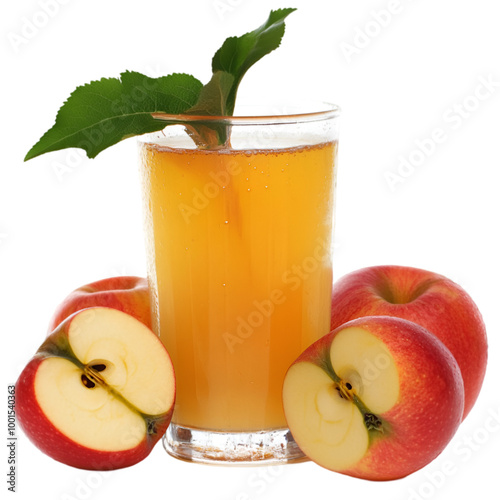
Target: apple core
{"type": "Point", "coordinates": [342, 400]}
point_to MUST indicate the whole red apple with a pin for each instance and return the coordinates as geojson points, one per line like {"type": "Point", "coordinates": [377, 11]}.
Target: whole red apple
{"type": "Point", "coordinates": [99, 393]}
{"type": "Point", "coordinates": [129, 294]}
{"type": "Point", "coordinates": [378, 398]}
{"type": "Point", "coordinates": [438, 304]}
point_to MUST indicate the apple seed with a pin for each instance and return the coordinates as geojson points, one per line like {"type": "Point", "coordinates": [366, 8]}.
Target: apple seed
{"type": "Point", "coordinates": [87, 382]}
{"type": "Point", "coordinates": [346, 391]}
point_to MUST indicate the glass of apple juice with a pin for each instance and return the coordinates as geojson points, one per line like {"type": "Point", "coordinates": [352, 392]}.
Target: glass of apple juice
{"type": "Point", "coordinates": [239, 244]}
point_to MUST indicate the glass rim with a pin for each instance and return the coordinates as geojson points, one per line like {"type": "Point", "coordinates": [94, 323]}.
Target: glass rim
{"type": "Point", "coordinates": [327, 111]}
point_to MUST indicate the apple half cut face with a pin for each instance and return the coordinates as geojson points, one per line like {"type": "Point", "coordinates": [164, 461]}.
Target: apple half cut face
{"type": "Point", "coordinates": [100, 391]}
{"type": "Point", "coordinates": [341, 405]}
{"type": "Point", "coordinates": [352, 406]}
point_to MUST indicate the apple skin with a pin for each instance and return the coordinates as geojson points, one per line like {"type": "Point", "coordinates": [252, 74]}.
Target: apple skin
{"type": "Point", "coordinates": [51, 441]}
{"type": "Point", "coordinates": [430, 405]}
{"type": "Point", "coordinates": [55, 444]}
{"type": "Point", "coordinates": [129, 294]}
{"type": "Point", "coordinates": [433, 301]}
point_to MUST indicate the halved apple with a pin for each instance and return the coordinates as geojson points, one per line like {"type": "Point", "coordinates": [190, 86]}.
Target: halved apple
{"type": "Point", "coordinates": [378, 398]}
{"type": "Point", "coordinates": [99, 393]}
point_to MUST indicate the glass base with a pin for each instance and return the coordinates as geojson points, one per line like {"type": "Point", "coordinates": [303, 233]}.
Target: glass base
{"type": "Point", "coordinates": [232, 448]}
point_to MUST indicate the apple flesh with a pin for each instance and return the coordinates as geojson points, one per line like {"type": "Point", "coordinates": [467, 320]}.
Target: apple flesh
{"type": "Point", "coordinates": [99, 393]}
{"type": "Point", "coordinates": [378, 398]}
{"type": "Point", "coordinates": [129, 294]}
{"type": "Point", "coordinates": [438, 304]}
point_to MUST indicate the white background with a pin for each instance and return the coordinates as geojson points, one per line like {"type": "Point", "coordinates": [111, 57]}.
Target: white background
{"type": "Point", "coordinates": [66, 221]}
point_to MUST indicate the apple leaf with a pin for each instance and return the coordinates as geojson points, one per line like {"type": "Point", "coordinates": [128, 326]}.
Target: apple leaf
{"type": "Point", "coordinates": [229, 64]}
{"type": "Point", "coordinates": [212, 101]}
{"type": "Point", "coordinates": [102, 113]}
{"type": "Point", "coordinates": [238, 54]}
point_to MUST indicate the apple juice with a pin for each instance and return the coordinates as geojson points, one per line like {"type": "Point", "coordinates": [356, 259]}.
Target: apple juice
{"type": "Point", "coordinates": [240, 268]}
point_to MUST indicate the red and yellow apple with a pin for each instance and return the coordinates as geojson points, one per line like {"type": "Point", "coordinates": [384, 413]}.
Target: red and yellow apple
{"type": "Point", "coordinates": [129, 294]}
{"type": "Point", "coordinates": [438, 304]}
{"type": "Point", "coordinates": [99, 393]}
{"type": "Point", "coordinates": [378, 398]}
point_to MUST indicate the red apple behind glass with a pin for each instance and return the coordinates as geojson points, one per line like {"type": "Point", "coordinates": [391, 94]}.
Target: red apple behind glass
{"type": "Point", "coordinates": [129, 294]}
{"type": "Point", "coordinates": [433, 301]}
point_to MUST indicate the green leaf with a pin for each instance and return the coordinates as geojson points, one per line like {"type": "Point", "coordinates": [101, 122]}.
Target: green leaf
{"type": "Point", "coordinates": [229, 65]}
{"type": "Point", "coordinates": [212, 102]}
{"type": "Point", "coordinates": [238, 54]}
{"type": "Point", "coordinates": [102, 113]}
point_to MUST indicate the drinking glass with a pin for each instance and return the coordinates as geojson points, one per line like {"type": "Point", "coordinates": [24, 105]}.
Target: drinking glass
{"type": "Point", "coordinates": [239, 246]}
